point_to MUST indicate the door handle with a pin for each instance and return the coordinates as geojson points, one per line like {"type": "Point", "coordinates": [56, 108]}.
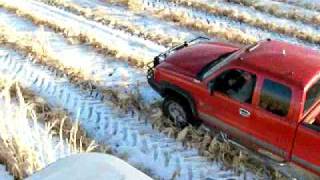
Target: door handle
{"type": "Point", "coordinates": [244, 112]}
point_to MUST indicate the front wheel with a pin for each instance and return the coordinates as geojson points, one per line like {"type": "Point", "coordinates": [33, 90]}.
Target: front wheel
{"type": "Point", "coordinates": [178, 111]}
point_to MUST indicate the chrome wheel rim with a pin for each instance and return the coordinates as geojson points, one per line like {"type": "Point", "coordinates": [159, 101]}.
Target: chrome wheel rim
{"type": "Point", "coordinates": [177, 113]}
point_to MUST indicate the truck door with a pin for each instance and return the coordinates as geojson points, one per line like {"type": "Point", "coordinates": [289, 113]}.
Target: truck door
{"type": "Point", "coordinates": [306, 151]}
{"type": "Point", "coordinates": [272, 126]}
{"type": "Point", "coordinates": [229, 105]}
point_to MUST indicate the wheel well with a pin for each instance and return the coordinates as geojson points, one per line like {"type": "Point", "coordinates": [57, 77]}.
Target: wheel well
{"type": "Point", "coordinates": [183, 97]}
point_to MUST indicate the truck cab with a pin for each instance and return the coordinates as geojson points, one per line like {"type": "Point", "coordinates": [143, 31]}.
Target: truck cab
{"type": "Point", "coordinates": [265, 95]}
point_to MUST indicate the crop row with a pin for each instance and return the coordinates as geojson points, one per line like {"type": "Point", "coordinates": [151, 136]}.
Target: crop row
{"type": "Point", "coordinates": [312, 5]}
{"type": "Point", "coordinates": [281, 11]}
{"type": "Point", "coordinates": [106, 18]}
{"type": "Point", "coordinates": [184, 19]}
{"type": "Point", "coordinates": [84, 33]}
{"type": "Point", "coordinates": [242, 16]}
{"type": "Point", "coordinates": [129, 137]}
{"type": "Point", "coordinates": [191, 136]}
{"type": "Point", "coordinates": [44, 56]}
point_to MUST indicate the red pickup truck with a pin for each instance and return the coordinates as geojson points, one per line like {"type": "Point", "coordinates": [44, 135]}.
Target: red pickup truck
{"type": "Point", "coordinates": [265, 95]}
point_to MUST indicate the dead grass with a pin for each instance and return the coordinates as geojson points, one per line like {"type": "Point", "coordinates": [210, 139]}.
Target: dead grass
{"type": "Point", "coordinates": [183, 19]}
{"type": "Point", "coordinates": [275, 9]}
{"type": "Point", "coordinates": [36, 45]}
{"type": "Point", "coordinates": [123, 24]}
{"type": "Point", "coordinates": [243, 16]}
{"type": "Point", "coordinates": [191, 137]}
{"type": "Point", "coordinates": [22, 119]}
{"type": "Point", "coordinates": [61, 124]}
{"type": "Point", "coordinates": [305, 4]}
{"type": "Point", "coordinates": [75, 34]}
{"type": "Point", "coordinates": [134, 5]}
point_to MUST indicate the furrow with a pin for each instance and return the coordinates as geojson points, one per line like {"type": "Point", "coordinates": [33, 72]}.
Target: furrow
{"type": "Point", "coordinates": [183, 17]}
{"type": "Point", "coordinates": [57, 48]}
{"type": "Point", "coordinates": [283, 10]}
{"type": "Point", "coordinates": [166, 158]}
{"type": "Point", "coordinates": [95, 69]}
{"type": "Point", "coordinates": [60, 55]}
{"type": "Point", "coordinates": [222, 27]}
{"type": "Point", "coordinates": [139, 25]}
{"type": "Point", "coordinates": [256, 18]}
{"type": "Point", "coordinates": [115, 42]}
{"type": "Point", "coordinates": [311, 5]}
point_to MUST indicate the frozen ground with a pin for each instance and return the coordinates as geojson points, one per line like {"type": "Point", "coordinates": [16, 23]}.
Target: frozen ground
{"type": "Point", "coordinates": [287, 8]}
{"type": "Point", "coordinates": [111, 73]}
{"type": "Point", "coordinates": [223, 22]}
{"type": "Point", "coordinates": [141, 19]}
{"type": "Point", "coordinates": [4, 174]}
{"type": "Point", "coordinates": [126, 133]}
{"type": "Point", "coordinates": [130, 136]}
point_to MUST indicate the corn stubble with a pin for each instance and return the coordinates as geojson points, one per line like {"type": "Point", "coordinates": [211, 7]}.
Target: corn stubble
{"type": "Point", "coordinates": [76, 35]}
{"type": "Point", "coordinates": [248, 18]}
{"type": "Point", "coordinates": [208, 144]}
{"type": "Point", "coordinates": [104, 17]}
{"type": "Point", "coordinates": [24, 158]}
{"type": "Point", "coordinates": [183, 19]}
{"type": "Point", "coordinates": [276, 10]}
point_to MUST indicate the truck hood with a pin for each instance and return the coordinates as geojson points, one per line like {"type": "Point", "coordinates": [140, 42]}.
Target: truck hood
{"type": "Point", "coordinates": [192, 59]}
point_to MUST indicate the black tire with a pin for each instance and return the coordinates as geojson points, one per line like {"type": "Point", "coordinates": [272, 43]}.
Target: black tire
{"type": "Point", "coordinates": [185, 119]}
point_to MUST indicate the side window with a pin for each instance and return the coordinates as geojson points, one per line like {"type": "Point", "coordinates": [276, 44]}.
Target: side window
{"type": "Point", "coordinates": [275, 98]}
{"type": "Point", "coordinates": [236, 84]}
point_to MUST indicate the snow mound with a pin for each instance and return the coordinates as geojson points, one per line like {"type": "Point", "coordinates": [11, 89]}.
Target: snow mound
{"type": "Point", "coordinates": [89, 166]}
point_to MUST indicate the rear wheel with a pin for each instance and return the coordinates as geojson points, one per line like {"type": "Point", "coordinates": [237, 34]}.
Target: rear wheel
{"type": "Point", "coordinates": [178, 111]}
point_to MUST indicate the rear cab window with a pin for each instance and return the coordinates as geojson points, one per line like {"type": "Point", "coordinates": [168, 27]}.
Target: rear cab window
{"type": "Point", "coordinates": [312, 120]}
{"type": "Point", "coordinates": [275, 98]}
{"type": "Point", "coordinates": [312, 96]}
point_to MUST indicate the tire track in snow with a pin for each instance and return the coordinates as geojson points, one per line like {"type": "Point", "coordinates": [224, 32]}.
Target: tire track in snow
{"type": "Point", "coordinates": [103, 71]}
{"type": "Point", "coordinates": [73, 51]}
{"type": "Point", "coordinates": [59, 48]}
{"type": "Point", "coordinates": [124, 132]}
{"type": "Point", "coordinates": [28, 140]}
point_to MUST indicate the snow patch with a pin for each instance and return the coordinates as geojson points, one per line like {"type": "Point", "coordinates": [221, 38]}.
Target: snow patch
{"type": "Point", "coordinates": [89, 166]}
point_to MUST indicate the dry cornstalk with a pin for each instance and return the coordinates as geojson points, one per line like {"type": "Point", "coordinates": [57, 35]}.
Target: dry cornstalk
{"type": "Point", "coordinates": [105, 18]}
{"type": "Point", "coordinates": [213, 29]}
{"type": "Point", "coordinates": [275, 9]}
{"type": "Point", "coordinates": [243, 16]}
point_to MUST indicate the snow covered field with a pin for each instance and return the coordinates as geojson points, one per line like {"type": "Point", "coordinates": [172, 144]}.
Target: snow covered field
{"type": "Point", "coordinates": [4, 174]}
{"type": "Point", "coordinates": [89, 58]}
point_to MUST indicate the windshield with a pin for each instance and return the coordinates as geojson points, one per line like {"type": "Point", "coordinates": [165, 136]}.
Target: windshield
{"type": "Point", "coordinates": [222, 61]}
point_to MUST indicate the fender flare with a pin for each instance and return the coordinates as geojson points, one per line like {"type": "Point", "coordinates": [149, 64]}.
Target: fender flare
{"type": "Point", "coordinates": [164, 86]}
